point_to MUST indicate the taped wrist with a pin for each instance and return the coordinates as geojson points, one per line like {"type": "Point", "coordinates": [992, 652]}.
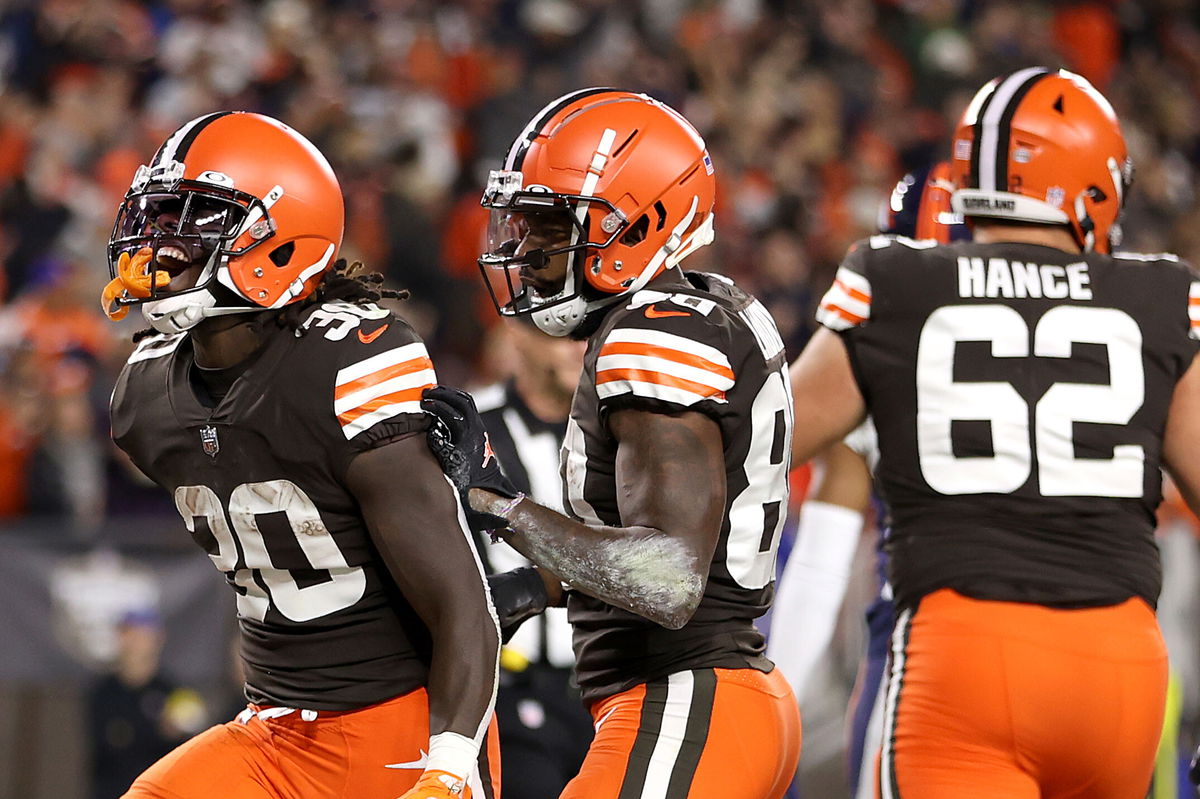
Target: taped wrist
{"type": "Point", "coordinates": [517, 595]}
{"type": "Point", "coordinates": [453, 754]}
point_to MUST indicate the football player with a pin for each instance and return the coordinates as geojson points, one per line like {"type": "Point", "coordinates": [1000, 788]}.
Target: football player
{"type": "Point", "coordinates": [280, 407]}
{"type": "Point", "coordinates": [675, 458]}
{"type": "Point", "coordinates": [1026, 387]}
{"type": "Point", "coordinates": [815, 577]}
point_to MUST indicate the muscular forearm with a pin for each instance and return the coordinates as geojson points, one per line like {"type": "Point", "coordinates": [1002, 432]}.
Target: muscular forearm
{"type": "Point", "coordinates": [463, 672]}
{"type": "Point", "coordinates": [639, 569]}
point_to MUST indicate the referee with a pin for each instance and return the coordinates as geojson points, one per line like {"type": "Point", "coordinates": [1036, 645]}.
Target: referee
{"type": "Point", "coordinates": [544, 729]}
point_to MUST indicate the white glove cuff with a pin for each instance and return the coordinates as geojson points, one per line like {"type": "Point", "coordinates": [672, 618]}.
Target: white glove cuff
{"type": "Point", "coordinates": [453, 753]}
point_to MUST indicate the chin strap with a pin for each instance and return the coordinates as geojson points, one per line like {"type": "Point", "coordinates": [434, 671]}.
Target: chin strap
{"type": "Point", "coordinates": [182, 313]}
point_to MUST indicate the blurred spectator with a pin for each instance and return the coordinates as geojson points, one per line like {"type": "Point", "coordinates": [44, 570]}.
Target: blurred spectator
{"type": "Point", "coordinates": [136, 715]}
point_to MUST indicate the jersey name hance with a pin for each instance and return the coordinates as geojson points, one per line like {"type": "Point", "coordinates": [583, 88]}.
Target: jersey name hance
{"type": "Point", "coordinates": [698, 344]}
{"type": "Point", "coordinates": [1020, 394]}
{"type": "Point", "coordinates": [258, 480]}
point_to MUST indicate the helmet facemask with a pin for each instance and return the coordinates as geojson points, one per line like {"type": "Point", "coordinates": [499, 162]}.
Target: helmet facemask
{"type": "Point", "coordinates": [538, 242]}
{"type": "Point", "coordinates": [165, 229]}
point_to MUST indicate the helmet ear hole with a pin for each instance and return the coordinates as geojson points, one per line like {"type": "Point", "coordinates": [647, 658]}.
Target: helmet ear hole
{"type": "Point", "coordinates": [637, 232]}
{"type": "Point", "coordinates": [661, 210]}
{"type": "Point", "coordinates": [281, 255]}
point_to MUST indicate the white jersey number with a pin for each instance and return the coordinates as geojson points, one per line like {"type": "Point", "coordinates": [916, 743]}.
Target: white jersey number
{"type": "Point", "coordinates": [942, 400]}
{"type": "Point", "coordinates": [262, 584]}
{"type": "Point", "coordinates": [757, 514]}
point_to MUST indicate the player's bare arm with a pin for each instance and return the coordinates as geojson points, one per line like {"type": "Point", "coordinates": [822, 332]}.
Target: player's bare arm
{"type": "Point", "coordinates": [828, 403]}
{"type": "Point", "coordinates": [406, 503]}
{"type": "Point", "coordinates": [845, 478]}
{"type": "Point", "coordinates": [672, 493]}
{"type": "Point", "coordinates": [1183, 434]}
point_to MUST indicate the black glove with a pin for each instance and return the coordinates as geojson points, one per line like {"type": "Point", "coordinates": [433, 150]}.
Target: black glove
{"type": "Point", "coordinates": [1194, 771]}
{"type": "Point", "coordinates": [517, 595]}
{"type": "Point", "coordinates": [460, 443]}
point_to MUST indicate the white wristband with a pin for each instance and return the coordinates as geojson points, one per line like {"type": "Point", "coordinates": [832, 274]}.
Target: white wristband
{"type": "Point", "coordinates": [452, 753]}
{"type": "Point", "coordinates": [811, 589]}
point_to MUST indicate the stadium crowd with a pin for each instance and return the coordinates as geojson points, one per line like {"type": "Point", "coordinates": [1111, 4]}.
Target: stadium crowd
{"type": "Point", "coordinates": [811, 110]}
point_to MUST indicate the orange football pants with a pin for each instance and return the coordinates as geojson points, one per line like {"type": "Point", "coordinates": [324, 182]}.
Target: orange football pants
{"type": "Point", "coordinates": [376, 752]}
{"type": "Point", "coordinates": [701, 734]}
{"type": "Point", "coordinates": [1006, 700]}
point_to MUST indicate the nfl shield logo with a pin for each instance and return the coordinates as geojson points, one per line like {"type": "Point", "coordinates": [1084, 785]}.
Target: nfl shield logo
{"type": "Point", "coordinates": [208, 440]}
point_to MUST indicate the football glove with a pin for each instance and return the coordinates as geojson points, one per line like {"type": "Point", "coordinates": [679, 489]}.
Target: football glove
{"type": "Point", "coordinates": [518, 595]}
{"type": "Point", "coordinates": [438, 785]}
{"type": "Point", "coordinates": [460, 442]}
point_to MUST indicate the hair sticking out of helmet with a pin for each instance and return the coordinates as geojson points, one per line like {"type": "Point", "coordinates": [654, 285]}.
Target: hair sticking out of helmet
{"type": "Point", "coordinates": [235, 213]}
{"type": "Point", "coordinates": [601, 192]}
{"type": "Point", "coordinates": [919, 207]}
{"type": "Point", "coordinates": [1043, 146]}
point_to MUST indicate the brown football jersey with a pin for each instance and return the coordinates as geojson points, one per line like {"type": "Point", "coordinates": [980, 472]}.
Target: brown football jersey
{"type": "Point", "coordinates": [258, 479]}
{"type": "Point", "coordinates": [699, 344]}
{"type": "Point", "coordinates": [1020, 394]}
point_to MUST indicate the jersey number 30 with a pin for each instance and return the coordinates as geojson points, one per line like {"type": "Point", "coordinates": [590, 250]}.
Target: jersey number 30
{"type": "Point", "coordinates": [260, 584]}
{"type": "Point", "coordinates": [941, 400]}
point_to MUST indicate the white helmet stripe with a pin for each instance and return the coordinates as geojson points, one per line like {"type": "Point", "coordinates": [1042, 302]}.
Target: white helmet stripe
{"type": "Point", "coordinates": [520, 144]}
{"type": "Point", "coordinates": [182, 139]}
{"type": "Point", "coordinates": [989, 138]}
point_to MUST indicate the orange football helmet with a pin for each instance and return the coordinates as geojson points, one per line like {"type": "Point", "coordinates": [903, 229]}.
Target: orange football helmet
{"type": "Point", "coordinates": [632, 184]}
{"type": "Point", "coordinates": [1043, 146]}
{"type": "Point", "coordinates": [919, 207]}
{"type": "Point", "coordinates": [241, 195]}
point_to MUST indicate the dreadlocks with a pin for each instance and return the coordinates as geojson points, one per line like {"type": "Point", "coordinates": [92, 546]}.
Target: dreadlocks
{"type": "Point", "coordinates": [344, 282]}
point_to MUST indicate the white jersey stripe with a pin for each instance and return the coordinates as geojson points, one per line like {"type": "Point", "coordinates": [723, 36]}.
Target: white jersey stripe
{"type": "Point", "coordinates": [425, 377]}
{"type": "Point", "coordinates": [887, 760]}
{"type": "Point", "coordinates": [653, 391]}
{"type": "Point", "coordinates": [383, 360]}
{"type": "Point", "coordinates": [367, 420]}
{"type": "Point", "coordinates": [838, 296]}
{"type": "Point", "coordinates": [651, 363]}
{"type": "Point", "coordinates": [854, 280]}
{"type": "Point", "coordinates": [465, 529]}
{"type": "Point", "coordinates": [844, 306]}
{"type": "Point", "coordinates": [676, 711]}
{"type": "Point", "coordinates": [1194, 309]}
{"type": "Point", "coordinates": [669, 341]}
{"type": "Point", "coordinates": [834, 320]}
{"type": "Point", "coordinates": [866, 768]}
{"type": "Point", "coordinates": [762, 325]}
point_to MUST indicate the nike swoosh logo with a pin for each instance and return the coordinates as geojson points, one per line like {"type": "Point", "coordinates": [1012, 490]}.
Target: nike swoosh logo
{"type": "Point", "coordinates": [415, 764]}
{"type": "Point", "coordinates": [367, 339]}
{"type": "Point", "coordinates": [654, 313]}
{"type": "Point", "coordinates": [603, 719]}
